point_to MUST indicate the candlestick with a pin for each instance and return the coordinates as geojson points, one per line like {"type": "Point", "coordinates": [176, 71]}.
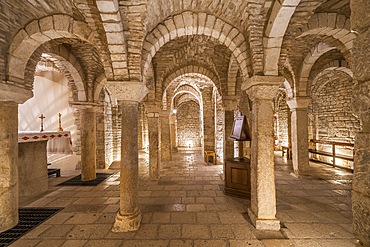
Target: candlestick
{"type": "Point", "coordinates": [60, 122]}
{"type": "Point", "coordinates": [42, 122]}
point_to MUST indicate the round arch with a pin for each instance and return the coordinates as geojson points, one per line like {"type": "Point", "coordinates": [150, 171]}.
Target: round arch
{"type": "Point", "coordinates": [189, 23]}
{"type": "Point", "coordinates": [36, 33]}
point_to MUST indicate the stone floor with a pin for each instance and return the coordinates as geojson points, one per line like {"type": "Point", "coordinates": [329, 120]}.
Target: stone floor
{"type": "Point", "coordinates": [187, 207]}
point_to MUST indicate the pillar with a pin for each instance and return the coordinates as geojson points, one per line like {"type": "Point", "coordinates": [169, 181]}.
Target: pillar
{"type": "Point", "coordinates": [165, 137]}
{"type": "Point", "coordinates": [128, 218]}
{"type": "Point", "coordinates": [208, 119]}
{"type": "Point", "coordinates": [129, 95]}
{"type": "Point", "coordinates": [88, 141]}
{"type": "Point", "coordinates": [229, 143]}
{"type": "Point", "coordinates": [154, 145]}
{"type": "Point", "coordinates": [289, 154]}
{"type": "Point", "coordinates": [360, 23]}
{"type": "Point", "coordinates": [8, 165]}
{"type": "Point", "coordinates": [299, 134]}
{"type": "Point", "coordinates": [262, 212]}
{"type": "Point", "coordinates": [172, 121]}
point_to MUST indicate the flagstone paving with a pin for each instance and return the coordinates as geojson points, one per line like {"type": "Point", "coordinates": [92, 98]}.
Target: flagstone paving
{"type": "Point", "coordinates": [187, 207]}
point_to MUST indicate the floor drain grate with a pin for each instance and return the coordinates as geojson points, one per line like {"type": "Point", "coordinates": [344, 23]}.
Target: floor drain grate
{"type": "Point", "coordinates": [76, 181]}
{"type": "Point", "coordinates": [29, 218]}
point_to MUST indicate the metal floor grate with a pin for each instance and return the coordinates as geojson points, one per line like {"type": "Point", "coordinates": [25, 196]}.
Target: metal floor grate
{"type": "Point", "coordinates": [76, 181]}
{"type": "Point", "coordinates": [29, 218]}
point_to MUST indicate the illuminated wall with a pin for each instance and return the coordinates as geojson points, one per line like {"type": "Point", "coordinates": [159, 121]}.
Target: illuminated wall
{"type": "Point", "coordinates": [188, 125]}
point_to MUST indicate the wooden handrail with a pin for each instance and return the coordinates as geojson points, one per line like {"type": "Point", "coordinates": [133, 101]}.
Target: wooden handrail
{"type": "Point", "coordinates": [333, 143]}
{"type": "Point", "coordinates": [333, 153]}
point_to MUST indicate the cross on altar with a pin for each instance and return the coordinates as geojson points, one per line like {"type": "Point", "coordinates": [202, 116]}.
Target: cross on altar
{"type": "Point", "coordinates": [42, 122]}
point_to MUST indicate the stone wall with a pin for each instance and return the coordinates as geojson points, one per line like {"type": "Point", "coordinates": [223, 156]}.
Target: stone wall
{"type": "Point", "coordinates": [188, 124]}
{"type": "Point", "coordinates": [330, 114]}
{"type": "Point", "coordinates": [108, 129]}
{"type": "Point", "coordinates": [282, 118]}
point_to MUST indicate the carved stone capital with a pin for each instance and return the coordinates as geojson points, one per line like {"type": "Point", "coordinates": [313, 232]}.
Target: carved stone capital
{"type": "Point", "coordinates": [298, 103]}
{"type": "Point", "coordinates": [128, 91]}
{"type": "Point", "coordinates": [16, 94]}
{"type": "Point", "coordinates": [229, 104]}
{"type": "Point", "coordinates": [262, 87]}
{"type": "Point", "coordinates": [83, 105]}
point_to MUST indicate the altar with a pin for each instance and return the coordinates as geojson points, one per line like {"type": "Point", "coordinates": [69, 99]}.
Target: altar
{"type": "Point", "coordinates": [33, 148]}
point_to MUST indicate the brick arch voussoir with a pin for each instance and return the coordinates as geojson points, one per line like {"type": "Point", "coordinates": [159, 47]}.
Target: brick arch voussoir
{"type": "Point", "coordinates": [313, 84]}
{"type": "Point", "coordinates": [331, 25]}
{"type": "Point", "coordinates": [38, 32]}
{"type": "Point", "coordinates": [191, 69]}
{"type": "Point", "coordinates": [189, 23]}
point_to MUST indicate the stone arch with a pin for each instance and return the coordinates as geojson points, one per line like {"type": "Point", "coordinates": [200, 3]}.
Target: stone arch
{"type": "Point", "coordinates": [275, 30]}
{"type": "Point", "coordinates": [339, 69]}
{"type": "Point", "coordinates": [100, 82]}
{"type": "Point", "coordinates": [188, 89]}
{"type": "Point", "coordinates": [315, 53]}
{"type": "Point", "coordinates": [112, 24]}
{"type": "Point", "coordinates": [36, 33]}
{"type": "Point", "coordinates": [73, 71]}
{"type": "Point", "coordinates": [189, 23]}
{"type": "Point", "coordinates": [191, 69]}
{"type": "Point", "coordinates": [330, 25]}
{"type": "Point", "coordinates": [232, 74]}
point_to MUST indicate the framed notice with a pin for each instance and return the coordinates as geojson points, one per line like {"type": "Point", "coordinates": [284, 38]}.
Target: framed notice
{"type": "Point", "coordinates": [240, 129]}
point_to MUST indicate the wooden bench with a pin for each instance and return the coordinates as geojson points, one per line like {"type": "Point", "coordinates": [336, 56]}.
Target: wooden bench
{"type": "Point", "coordinates": [210, 155]}
{"type": "Point", "coordinates": [52, 171]}
{"type": "Point", "coordinates": [287, 150]}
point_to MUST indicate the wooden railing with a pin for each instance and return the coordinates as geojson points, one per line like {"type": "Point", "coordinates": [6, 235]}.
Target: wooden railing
{"type": "Point", "coordinates": [313, 150]}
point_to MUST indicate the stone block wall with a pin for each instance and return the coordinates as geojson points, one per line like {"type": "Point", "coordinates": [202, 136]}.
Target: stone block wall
{"type": "Point", "coordinates": [100, 138]}
{"type": "Point", "coordinates": [188, 124]}
{"type": "Point", "coordinates": [108, 129]}
{"type": "Point", "coordinates": [281, 121]}
{"type": "Point", "coordinates": [331, 116]}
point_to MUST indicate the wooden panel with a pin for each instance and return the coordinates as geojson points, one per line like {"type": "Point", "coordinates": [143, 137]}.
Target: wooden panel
{"type": "Point", "coordinates": [237, 177]}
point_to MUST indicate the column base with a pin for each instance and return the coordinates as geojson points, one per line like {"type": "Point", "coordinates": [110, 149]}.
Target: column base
{"type": "Point", "coordinates": [263, 224]}
{"type": "Point", "coordinates": [127, 223]}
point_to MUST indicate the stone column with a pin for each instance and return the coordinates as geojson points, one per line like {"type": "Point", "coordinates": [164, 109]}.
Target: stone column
{"type": "Point", "coordinates": [173, 131]}
{"type": "Point", "coordinates": [165, 137]}
{"type": "Point", "coordinates": [208, 119]}
{"type": "Point", "coordinates": [229, 143]}
{"type": "Point", "coordinates": [289, 155]}
{"type": "Point", "coordinates": [88, 141]}
{"type": "Point", "coordinates": [140, 127]}
{"type": "Point", "coordinates": [261, 91]}
{"type": "Point", "coordinates": [8, 165]}
{"type": "Point", "coordinates": [360, 23]}
{"type": "Point", "coordinates": [129, 216]}
{"type": "Point", "coordinates": [154, 145]}
{"type": "Point", "coordinates": [129, 95]}
{"type": "Point", "coordinates": [299, 134]}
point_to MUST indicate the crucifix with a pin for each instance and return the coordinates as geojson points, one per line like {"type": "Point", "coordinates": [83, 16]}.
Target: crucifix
{"type": "Point", "coordinates": [60, 122]}
{"type": "Point", "coordinates": [42, 122]}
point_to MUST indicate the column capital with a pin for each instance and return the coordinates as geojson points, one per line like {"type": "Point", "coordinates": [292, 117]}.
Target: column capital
{"type": "Point", "coordinates": [81, 105]}
{"type": "Point", "coordinates": [230, 103]}
{"type": "Point", "coordinates": [128, 90]}
{"type": "Point", "coordinates": [298, 102]}
{"type": "Point", "coordinates": [16, 94]}
{"type": "Point", "coordinates": [262, 87]}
